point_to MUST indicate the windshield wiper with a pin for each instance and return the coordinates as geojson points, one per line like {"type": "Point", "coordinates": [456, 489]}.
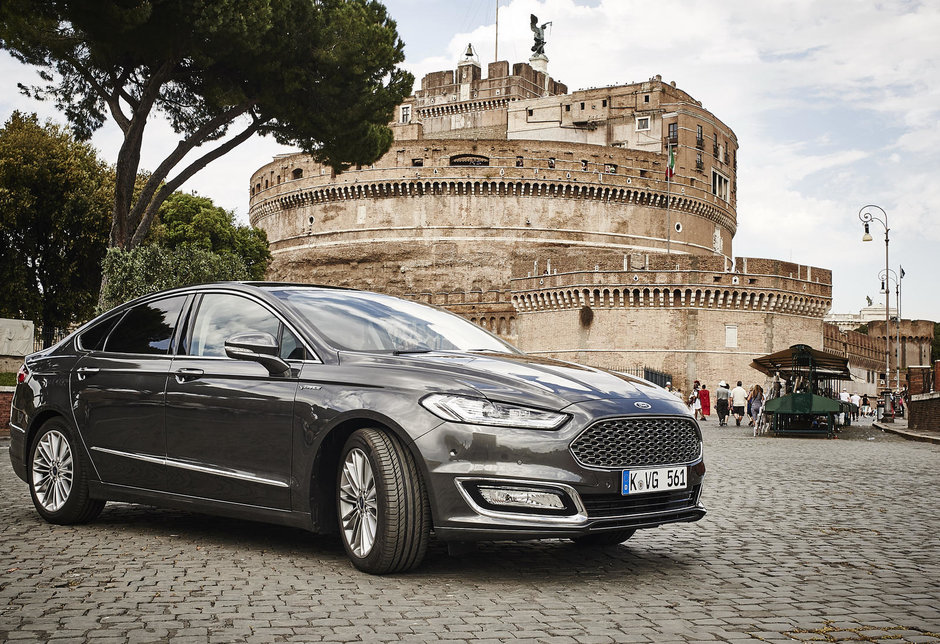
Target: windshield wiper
{"type": "Point", "coordinates": [399, 352]}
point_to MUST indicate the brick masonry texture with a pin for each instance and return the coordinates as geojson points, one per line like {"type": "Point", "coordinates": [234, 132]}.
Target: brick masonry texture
{"type": "Point", "coordinates": [806, 539]}
{"type": "Point", "coordinates": [6, 398]}
{"type": "Point", "coordinates": [925, 412]}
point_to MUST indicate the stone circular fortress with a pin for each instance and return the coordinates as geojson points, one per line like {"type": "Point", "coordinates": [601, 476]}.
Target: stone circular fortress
{"type": "Point", "coordinates": [547, 217]}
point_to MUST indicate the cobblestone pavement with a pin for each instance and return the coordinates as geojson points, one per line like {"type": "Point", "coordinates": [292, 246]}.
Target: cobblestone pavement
{"type": "Point", "coordinates": [806, 539]}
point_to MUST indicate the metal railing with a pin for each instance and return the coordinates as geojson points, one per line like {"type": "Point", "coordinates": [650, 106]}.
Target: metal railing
{"type": "Point", "coordinates": [659, 377]}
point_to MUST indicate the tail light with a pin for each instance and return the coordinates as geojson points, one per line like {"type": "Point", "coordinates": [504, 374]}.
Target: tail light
{"type": "Point", "coordinates": [23, 374]}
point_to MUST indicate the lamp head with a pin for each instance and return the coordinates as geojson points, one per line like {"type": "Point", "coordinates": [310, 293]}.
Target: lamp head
{"type": "Point", "coordinates": [867, 235]}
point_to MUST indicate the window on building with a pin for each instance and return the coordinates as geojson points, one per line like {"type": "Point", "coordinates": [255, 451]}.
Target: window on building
{"type": "Point", "coordinates": [529, 112]}
{"type": "Point", "coordinates": [519, 162]}
{"type": "Point", "coordinates": [731, 336]}
{"type": "Point", "coordinates": [418, 163]}
{"type": "Point", "coordinates": [720, 185]}
{"type": "Point", "coordinates": [646, 98]}
{"type": "Point", "coordinates": [673, 131]}
{"type": "Point", "coordinates": [298, 173]}
{"type": "Point", "coordinates": [699, 163]}
{"type": "Point", "coordinates": [567, 108]}
{"type": "Point", "coordinates": [406, 114]}
{"type": "Point", "coordinates": [604, 103]}
{"type": "Point", "coordinates": [642, 123]}
{"type": "Point", "coordinates": [582, 106]}
{"type": "Point", "coordinates": [610, 168]}
{"type": "Point", "coordinates": [551, 162]}
{"type": "Point", "coordinates": [584, 164]}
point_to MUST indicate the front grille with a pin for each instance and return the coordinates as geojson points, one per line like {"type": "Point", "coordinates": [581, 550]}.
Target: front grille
{"type": "Point", "coordinates": [615, 505]}
{"type": "Point", "coordinates": [634, 442]}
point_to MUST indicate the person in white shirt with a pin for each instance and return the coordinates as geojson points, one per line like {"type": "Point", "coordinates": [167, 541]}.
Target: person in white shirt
{"type": "Point", "coordinates": [738, 403]}
{"type": "Point", "coordinates": [857, 401]}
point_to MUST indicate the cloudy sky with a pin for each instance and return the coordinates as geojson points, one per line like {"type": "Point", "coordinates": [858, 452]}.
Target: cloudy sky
{"type": "Point", "coordinates": [836, 104]}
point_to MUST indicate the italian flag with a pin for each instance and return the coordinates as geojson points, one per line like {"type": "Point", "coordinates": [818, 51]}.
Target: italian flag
{"type": "Point", "coordinates": [671, 166]}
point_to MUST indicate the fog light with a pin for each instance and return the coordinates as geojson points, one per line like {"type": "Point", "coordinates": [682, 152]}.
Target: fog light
{"type": "Point", "coordinates": [521, 498]}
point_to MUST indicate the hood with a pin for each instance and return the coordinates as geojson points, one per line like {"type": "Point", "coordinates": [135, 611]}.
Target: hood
{"type": "Point", "coordinates": [522, 378]}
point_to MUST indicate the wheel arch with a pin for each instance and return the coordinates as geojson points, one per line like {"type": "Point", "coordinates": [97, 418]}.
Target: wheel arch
{"type": "Point", "coordinates": [37, 421]}
{"type": "Point", "coordinates": [322, 475]}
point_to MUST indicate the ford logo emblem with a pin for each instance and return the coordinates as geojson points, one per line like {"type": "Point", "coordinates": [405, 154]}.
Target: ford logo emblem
{"type": "Point", "coordinates": [642, 405]}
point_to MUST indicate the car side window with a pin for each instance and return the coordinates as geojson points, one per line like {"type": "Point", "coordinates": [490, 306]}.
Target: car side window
{"type": "Point", "coordinates": [291, 348]}
{"type": "Point", "coordinates": [146, 328]}
{"type": "Point", "coordinates": [93, 338]}
{"type": "Point", "coordinates": [220, 316]}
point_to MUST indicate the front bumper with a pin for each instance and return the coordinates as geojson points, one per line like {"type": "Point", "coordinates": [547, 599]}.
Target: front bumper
{"type": "Point", "coordinates": [461, 459]}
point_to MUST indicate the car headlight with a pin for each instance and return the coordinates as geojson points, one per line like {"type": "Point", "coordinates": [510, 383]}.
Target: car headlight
{"type": "Point", "coordinates": [480, 411]}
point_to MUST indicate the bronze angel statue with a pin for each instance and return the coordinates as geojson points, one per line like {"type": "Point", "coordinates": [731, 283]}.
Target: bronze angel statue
{"type": "Point", "coordinates": [539, 47]}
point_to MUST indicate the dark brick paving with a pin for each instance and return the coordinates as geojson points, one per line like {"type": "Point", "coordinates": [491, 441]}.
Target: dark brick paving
{"type": "Point", "coordinates": [806, 540]}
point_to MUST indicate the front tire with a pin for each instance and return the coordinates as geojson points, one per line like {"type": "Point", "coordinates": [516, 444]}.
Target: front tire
{"type": "Point", "coordinates": [612, 538]}
{"type": "Point", "coordinates": [58, 477]}
{"type": "Point", "coordinates": [384, 517]}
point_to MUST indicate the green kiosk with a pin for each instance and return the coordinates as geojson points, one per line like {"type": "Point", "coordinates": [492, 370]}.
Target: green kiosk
{"type": "Point", "coordinates": [805, 379]}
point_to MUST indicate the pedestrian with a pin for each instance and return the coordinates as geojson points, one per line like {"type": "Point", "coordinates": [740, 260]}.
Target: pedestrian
{"type": "Point", "coordinates": [694, 403]}
{"type": "Point", "coordinates": [856, 405]}
{"type": "Point", "coordinates": [844, 401]}
{"type": "Point", "coordinates": [722, 403]}
{"type": "Point", "coordinates": [755, 406]}
{"type": "Point", "coordinates": [866, 405]}
{"type": "Point", "coordinates": [705, 398]}
{"type": "Point", "coordinates": [738, 403]}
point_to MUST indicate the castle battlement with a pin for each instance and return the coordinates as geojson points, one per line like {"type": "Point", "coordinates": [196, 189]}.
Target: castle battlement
{"type": "Point", "coordinates": [688, 282]}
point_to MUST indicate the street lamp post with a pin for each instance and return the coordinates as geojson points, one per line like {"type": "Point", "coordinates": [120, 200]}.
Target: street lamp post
{"type": "Point", "coordinates": [888, 277]}
{"type": "Point", "coordinates": [866, 217]}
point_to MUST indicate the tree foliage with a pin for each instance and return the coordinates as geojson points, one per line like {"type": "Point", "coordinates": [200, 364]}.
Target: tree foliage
{"type": "Point", "coordinates": [321, 75]}
{"type": "Point", "coordinates": [194, 220]}
{"type": "Point", "coordinates": [55, 197]}
{"type": "Point", "coordinates": [153, 267]}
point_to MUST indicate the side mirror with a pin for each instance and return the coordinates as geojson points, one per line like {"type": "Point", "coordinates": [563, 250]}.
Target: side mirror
{"type": "Point", "coordinates": [258, 347]}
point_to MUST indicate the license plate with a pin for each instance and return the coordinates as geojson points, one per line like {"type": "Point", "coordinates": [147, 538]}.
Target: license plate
{"type": "Point", "coordinates": [658, 480]}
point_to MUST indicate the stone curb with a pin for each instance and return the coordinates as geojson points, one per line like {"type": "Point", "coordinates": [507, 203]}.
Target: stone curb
{"type": "Point", "coordinates": [909, 435]}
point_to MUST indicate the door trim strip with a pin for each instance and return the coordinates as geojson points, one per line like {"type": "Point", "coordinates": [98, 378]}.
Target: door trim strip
{"type": "Point", "coordinates": [204, 469]}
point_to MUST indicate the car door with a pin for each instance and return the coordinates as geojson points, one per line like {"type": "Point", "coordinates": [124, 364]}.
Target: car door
{"type": "Point", "coordinates": [229, 422]}
{"type": "Point", "coordinates": [118, 393]}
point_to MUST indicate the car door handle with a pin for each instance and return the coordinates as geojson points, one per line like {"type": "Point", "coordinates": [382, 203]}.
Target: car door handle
{"type": "Point", "coordinates": [185, 374]}
{"type": "Point", "coordinates": [84, 372]}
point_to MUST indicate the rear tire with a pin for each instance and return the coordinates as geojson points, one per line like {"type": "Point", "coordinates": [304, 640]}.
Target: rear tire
{"type": "Point", "coordinates": [384, 516]}
{"type": "Point", "coordinates": [601, 539]}
{"type": "Point", "coordinates": [58, 476]}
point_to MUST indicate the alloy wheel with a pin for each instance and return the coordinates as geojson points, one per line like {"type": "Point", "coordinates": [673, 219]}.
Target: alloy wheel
{"type": "Point", "coordinates": [357, 500]}
{"type": "Point", "coordinates": [53, 470]}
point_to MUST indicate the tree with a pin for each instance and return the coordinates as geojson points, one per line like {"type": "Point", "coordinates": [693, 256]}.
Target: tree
{"type": "Point", "coordinates": [190, 219]}
{"type": "Point", "coordinates": [154, 267]}
{"type": "Point", "coordinates": [55, 199]}
{"type": "Point", "coordinates": [321, 75]}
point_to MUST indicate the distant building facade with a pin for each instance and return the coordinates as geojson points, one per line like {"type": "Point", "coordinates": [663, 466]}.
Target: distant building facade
{"type": "Point", "coordinates": [546, 216]}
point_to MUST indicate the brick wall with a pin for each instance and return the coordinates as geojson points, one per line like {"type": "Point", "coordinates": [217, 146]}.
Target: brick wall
{"type": "Point", "coordinates": [6, 398]}
{"type": "Point", "coordinates": [925, 412]}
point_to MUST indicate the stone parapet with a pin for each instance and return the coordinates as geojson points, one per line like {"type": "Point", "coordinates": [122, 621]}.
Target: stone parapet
{"type": "Point", "coordinates": [699, 282]}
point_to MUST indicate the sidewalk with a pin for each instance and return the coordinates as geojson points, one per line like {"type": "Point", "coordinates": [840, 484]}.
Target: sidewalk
{"type": "Point", "coordinates": [899, 427]}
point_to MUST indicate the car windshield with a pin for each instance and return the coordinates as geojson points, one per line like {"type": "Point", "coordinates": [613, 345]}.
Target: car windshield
{"type": "Point", "coordinates": [363, 321]}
